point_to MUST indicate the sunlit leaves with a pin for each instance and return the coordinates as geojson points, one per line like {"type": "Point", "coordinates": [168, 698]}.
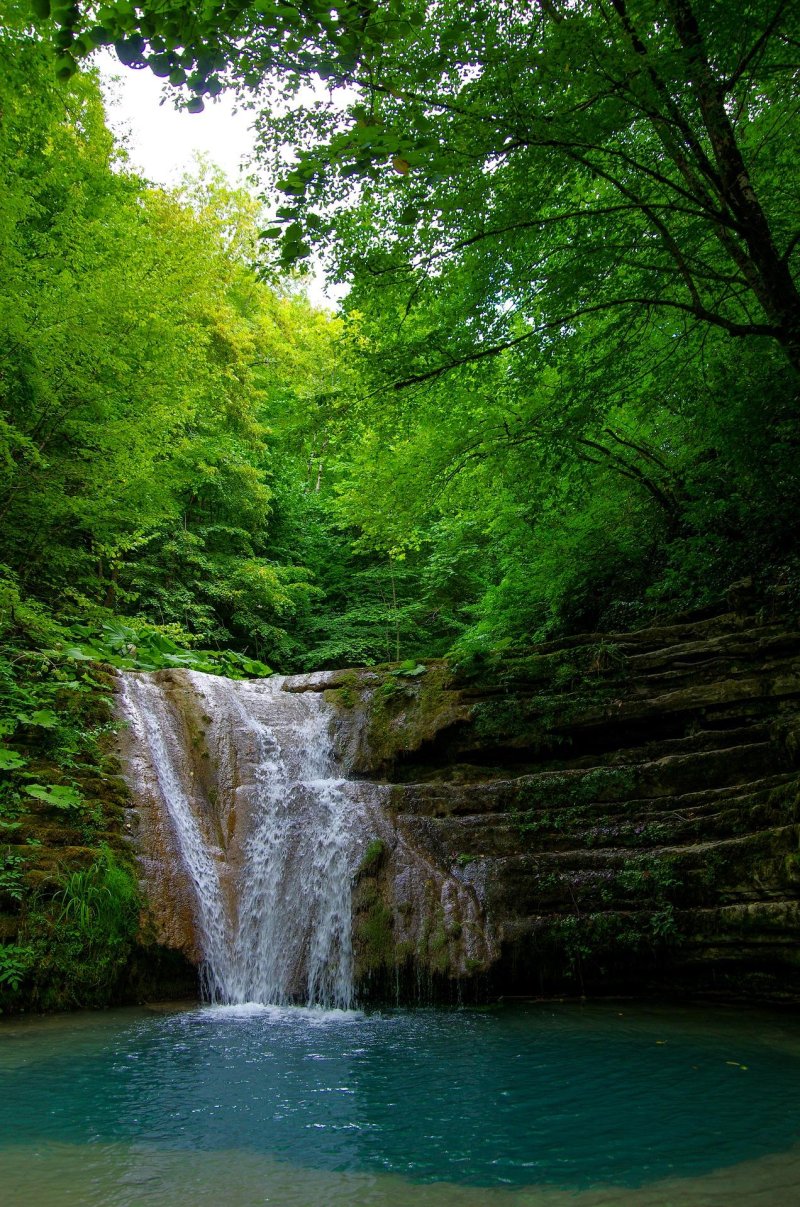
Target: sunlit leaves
{"type": "Point", "coordinates": [148, 360]}
{"type": "Point", "coordinates": [205, 46]}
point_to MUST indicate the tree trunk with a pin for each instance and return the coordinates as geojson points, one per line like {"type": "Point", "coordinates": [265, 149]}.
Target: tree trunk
{"type": "Point", "coordinates": [775, 286]}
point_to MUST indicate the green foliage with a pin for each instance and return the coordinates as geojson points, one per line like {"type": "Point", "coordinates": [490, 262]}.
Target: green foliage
{"type": "Point", "coordinates": [15, 962]}
{"type": "Point", "coordinates": [60, 796]}
{"type": "Point", "coordinates": [146, 648]}
{"type": "Point", "coordinates": [53, 716]}
{"type": "Point", "coordinates": [99, 903]}
{"type": "Point", "coordinates": [564, 394]}
{"type": "Point", "coordinates": [559, 803]}
{"type": "Point", "coordinates": [663, 924]}
{"type": "Point", "coordinates": [648, 875]}
{"type": "Point", "coordinates": [199, 48]}
{"type": "Point", "coordinates": [410, 669]}
{"type": "Point", "coordinates": [142, 362]}
{"type": "Point", "coordinates": [574, 258]}
{"type": "Point", "coordinates": [167, 419]}
{"type": "Point", "coordinates": [78, 937]}
{"type": "Point", "coordinates": [12, 875]}
{"type": "Point", "coordinates": [587, 943]}
{"type": "Point", "coordinates": [11, 761]}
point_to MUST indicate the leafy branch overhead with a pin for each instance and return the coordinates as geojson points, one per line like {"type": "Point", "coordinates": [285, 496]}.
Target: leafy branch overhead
{"type": "Point", "coordinates": [617, 155]}
{"type": "Point", "coordinates": [564, 378]}
{"type": "Point", "coordinates": [206, 47]}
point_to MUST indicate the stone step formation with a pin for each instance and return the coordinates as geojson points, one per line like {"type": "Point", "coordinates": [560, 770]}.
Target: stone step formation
{"type": "Point", "coordinates": [607, 814]}
{"type": "Point", "coordinates": [626, 807]}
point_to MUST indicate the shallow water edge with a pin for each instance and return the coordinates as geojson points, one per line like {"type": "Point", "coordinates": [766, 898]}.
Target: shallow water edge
{"type": "Point", "coordinates": [127, 1176]}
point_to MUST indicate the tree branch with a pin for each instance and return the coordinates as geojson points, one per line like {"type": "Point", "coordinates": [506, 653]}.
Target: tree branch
{"type": "Point", "coordinates": [733, 328]}
{"type": "Point", "coordinates": [759, 44]}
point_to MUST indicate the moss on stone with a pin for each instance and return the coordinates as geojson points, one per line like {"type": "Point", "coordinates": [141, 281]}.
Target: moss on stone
{"type": "Point", "coordinates": [401, 715]}
{"type": "Point", "coordinates": [346, 694]}
{"type": "Point", "coordinates": [375, 939]}
{"type": "Point", "coordinates": [373, 858]}
{"type": "Point", "coordinates": [71, 957]}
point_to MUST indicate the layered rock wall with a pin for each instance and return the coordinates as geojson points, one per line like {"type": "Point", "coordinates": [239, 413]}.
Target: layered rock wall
{"type": "Point", "coordinates": [615, 813]}
{"type": "Point", "coordinates": [625, 807]}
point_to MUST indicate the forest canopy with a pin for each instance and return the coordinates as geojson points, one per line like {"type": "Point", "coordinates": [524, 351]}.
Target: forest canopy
{"type": "Point", "coordinates": [561, 393]}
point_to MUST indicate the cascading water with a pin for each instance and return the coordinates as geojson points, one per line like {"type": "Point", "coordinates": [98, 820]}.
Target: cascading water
{"type": "Point", "coordinates": [281, 879]}
{"type": "Point", "coordinates": [267, 833]}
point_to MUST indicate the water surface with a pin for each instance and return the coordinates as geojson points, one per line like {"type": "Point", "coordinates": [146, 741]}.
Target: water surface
{"type": "Point", "coordinates": [512, 1105]}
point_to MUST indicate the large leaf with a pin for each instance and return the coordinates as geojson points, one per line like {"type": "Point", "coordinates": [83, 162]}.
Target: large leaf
{"type": "Point", "coordinates": [58, 795]}
{"type": "Point", "coordinates": [44, 718]}
{"type": "Point", "coordinates": [10, 760]}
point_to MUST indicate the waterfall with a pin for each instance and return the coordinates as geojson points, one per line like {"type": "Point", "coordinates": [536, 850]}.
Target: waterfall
{"type": "Point", "coordinates": [256, 824]}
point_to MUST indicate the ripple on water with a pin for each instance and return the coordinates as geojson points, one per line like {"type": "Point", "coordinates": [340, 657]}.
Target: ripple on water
{"type": "Point", "coordinates": [547, 1105]}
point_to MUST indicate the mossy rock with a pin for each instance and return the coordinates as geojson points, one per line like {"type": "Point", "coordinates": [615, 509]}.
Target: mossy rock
{"type": "Point", "coordinates": [373, 858]}
{"type": "Point", "coordinates": [374, 937]}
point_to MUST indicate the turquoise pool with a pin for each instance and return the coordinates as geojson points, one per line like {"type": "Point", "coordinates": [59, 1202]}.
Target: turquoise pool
{"type": "Point", "coordinates": [524, 1104]}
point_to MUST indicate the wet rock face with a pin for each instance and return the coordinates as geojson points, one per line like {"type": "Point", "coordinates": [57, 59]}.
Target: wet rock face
{"type": "Point", "coordinates": [419, 927]}
{"type": "Point", "coordinates": [615, 813]}
{"type": "Point", "coordinates": [625, 807]}
{"type": "Point", "coordinates": [172, 919]}
{"type": "Point", "coordinates": [265, 862]}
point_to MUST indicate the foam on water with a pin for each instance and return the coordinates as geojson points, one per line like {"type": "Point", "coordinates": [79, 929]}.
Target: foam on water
{"type": "Point", "coordinates": [315, 1016]}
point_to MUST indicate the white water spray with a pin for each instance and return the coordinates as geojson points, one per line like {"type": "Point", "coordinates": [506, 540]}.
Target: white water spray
{"type": "Point", "coordinates": [267, 833]}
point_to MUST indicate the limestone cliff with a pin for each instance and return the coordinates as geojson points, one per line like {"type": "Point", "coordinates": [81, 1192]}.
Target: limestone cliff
{"type": "Point", "coordinates": [255, 844]}
{"type": "Point", "coordinates": [623, 806]}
